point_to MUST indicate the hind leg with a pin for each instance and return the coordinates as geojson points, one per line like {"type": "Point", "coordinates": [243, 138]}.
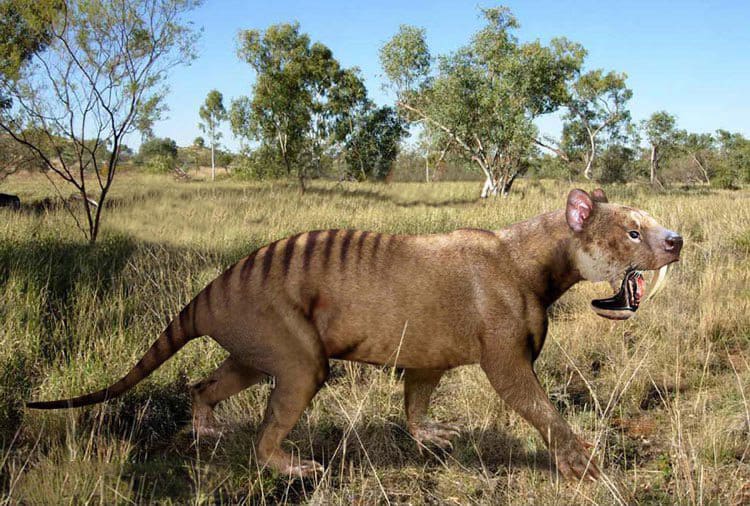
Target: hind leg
{"type": "Point", "coordinates": [293, 392]}
{"type": "Point", "coordinates": [230, 378]}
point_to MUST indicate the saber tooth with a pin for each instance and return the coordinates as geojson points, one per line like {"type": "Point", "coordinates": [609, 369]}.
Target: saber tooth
{"type": "Point", "coordinates": [659, 284]}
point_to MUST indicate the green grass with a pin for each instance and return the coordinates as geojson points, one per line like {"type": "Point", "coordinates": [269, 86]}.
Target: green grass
{"type": "Point", "coordinates": [664, 396]}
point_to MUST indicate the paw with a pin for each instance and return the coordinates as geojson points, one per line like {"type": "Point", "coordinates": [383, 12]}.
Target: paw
{"type": "Point", "coordinates": [303, 469]}
{"type": "Point", "coordinates": [574, 461]}
{"type": "Point", "coordinates": [206, 431]}
{"type": "Point", "coordinates": [435, 434]}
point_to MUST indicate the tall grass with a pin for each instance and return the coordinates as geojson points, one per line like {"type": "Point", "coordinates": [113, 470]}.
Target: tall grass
{"type": "Point", "coordinates": [663, 396]}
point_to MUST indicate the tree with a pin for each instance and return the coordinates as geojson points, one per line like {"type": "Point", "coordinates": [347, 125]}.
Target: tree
{"type": "Point", "coordinates": [212, 113]}
{"type": "Point", "coordinates": [300, 95]}
{"type": "Point", "coordinates": [661, 135]}
{"type": "Point", "coordinates": [371, 145]}
{"type": "Point", "coordinates": [734, 159]}
{"type": "Point", "coordinates": [101, 73]}
{"type": "Point", "coordinates": [199, 142]}
{"type": "Point", "coordinates": [597, 104]}
{"type": "Point", "coordinates": [699, 148]}
{"type": "Point", "coordinates": [158, 147]}
{"type": "Point", "coordinates": [480, 102]}
{"type": "Point", "coordinates": [22, 34]}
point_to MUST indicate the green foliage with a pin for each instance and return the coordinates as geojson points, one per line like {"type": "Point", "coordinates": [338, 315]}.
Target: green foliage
{"type": "Point", "coordinates": [480, 101]}
{"type": "Point", "coordinates": [373, 144]}
{"type": "Point", "coordinates": [23, 32]}
{"type": "Point", "coordinates": [660, 129]}
{"type": "Point", "coordinates": [616, 164]}
{"type": "Point", "coordinates": [158, 146]}
{"type": "Point", "coordinates": [734, 159]}
{"type": "Point", "coordinates": [160, 164]}
{"type": "Point", "coordinates": [300, 96]}
{"type": "Point", "coordinates": [597, 105]}
{"type": "Point", "coordinates": [199, 142]}
{"type": "Point", "coordinates": [262, 163]}
{"type": "Point", "coordinates": [406, 58]}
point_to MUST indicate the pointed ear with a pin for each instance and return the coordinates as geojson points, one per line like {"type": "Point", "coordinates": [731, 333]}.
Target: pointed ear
{"type": "Point", "coordinates": [578, 210]}
{"type": "Point", "coordinates": [598, 195]}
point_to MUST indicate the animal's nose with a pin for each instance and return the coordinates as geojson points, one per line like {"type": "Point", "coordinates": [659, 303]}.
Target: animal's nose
{"type": "Point", "coordinates": [673, 243]}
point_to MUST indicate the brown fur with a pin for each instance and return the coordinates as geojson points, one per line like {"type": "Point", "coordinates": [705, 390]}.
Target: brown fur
{"type": "Point", "coordinates": [425, 303]}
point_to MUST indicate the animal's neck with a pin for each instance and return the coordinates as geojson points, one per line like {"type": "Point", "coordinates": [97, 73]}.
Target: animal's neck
{"type": "Point", "coordinates": [542, 248]}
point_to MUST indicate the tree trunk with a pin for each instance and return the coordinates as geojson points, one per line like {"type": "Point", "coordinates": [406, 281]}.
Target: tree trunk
{"type": "Point", "coordinates": [213, 164]}
{"type": "Point", "coordinates": [427, 169]}
{"type": "Point", "coordinates": [302, 187]}
{"type": "Point", "coordinates": [702, 168]}
{"type": "Point", "coordinates": [654, 164]}
{"type": "Point", "coordinates": [489, 188]}
{"type": "Point", "coordinates": [507, 184]}
{"type": "Point", "coordinates": [589, 170]}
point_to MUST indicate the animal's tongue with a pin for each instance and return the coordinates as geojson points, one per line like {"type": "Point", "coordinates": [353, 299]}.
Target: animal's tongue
{"type": "Point", "coordinates": [625, 302]}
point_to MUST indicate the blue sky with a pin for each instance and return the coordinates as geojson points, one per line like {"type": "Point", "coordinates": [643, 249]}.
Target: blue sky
{"type": "Point", "coordinates": [691, 58]}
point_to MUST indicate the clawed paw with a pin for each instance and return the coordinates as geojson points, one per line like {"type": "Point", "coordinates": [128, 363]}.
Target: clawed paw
{"type": "Point", "coordinates": [574, 462]}
{"type": "Point", "coordinates": [436, 434]}
{"type": "Point", "coordinates": [304, 469]}
{"type": "Point", "coordinates": [206, 431]}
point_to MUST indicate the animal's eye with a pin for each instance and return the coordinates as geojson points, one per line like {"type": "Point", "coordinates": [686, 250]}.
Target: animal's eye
{"type": "Point", "coordinates": [634, 234]}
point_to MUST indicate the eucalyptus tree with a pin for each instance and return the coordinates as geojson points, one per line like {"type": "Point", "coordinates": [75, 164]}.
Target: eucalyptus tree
{"type": "Point", "coordinates": [300, 94]}
{"type": "Point", "coordinates": [700, 148]}
{"type": "Point", "coordinates": [212, 113]}
{"type": "Point", "coordinates": [371, 141]}
{"type": "Point", "coordinates": [480, 101]}
{"type": "Point", "coordinates": [597, 104]}
{"type": "Point", "coordinates": [734, 159]}
{"type": "Point", "coordinates": [100, 74]}
{"type": "Point", "coordinates": [660, 132]}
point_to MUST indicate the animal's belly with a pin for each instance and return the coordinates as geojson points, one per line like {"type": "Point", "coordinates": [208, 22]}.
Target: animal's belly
{"type": "Point", "coordinates": [409, 345]}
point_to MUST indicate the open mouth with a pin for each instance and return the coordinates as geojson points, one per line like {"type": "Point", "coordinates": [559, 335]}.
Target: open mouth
{"type": "Point", "coordinates": [625, 302]}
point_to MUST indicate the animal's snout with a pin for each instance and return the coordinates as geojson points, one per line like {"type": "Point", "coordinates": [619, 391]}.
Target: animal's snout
{"type": "Point", "coordinates": [673, 243]}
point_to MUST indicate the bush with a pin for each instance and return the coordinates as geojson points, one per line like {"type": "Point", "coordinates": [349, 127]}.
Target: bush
{"type": "Point", "coordinates": [160, 164]}
{"type": "Point", "coordinates": [616, 164]}
{"type": "Point", "coordinates": [263, 163]}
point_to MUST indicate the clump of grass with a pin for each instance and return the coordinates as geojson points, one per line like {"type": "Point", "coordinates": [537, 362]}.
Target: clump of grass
{"type": "Point", "coordinates": [663, 396]}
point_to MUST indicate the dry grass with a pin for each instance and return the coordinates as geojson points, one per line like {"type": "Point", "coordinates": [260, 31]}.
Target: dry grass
{"type": "Point", "coordinates": [664, 396]}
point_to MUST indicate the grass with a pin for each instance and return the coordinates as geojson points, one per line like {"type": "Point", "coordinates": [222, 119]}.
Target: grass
{"type": "Point", "coordinates": [664, 396]}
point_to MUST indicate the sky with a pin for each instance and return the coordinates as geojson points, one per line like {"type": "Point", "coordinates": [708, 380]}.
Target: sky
{"type": "Point", "coordinates": [690, 58]}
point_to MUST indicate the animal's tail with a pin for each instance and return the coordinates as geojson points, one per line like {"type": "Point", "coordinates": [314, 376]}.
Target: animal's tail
{"type": "Point", "coordinates": [175, 336]}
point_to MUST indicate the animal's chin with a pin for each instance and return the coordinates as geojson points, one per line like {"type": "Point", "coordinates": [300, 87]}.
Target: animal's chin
{"type": "Point", "coordinates": [626, 301]}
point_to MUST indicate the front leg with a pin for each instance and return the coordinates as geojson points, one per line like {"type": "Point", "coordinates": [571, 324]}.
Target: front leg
{"type": "Point", "coordinates": [513, 377]}
{"type": "Point", "coordinates": [418, 387]}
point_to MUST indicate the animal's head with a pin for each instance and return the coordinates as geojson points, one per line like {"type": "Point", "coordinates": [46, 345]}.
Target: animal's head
{"type": "Point", "coordinates": [616, 243]}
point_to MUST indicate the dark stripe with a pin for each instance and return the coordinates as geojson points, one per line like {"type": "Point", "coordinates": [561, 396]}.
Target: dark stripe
{"type": "Point", "coordinates": [375, 246]}
{"type": "Point", "coordinates": [170, 342]}
{"type": "Point", "coordinates": [288, 253]}
{"type": "Point", "coordinates": [478, 230]}
{"type": "Point", "coordinates": [387, 246]}
{"type": "Point", "coordinates": [267, 259]}
{"type": "Point", "coordinates": [311, 308]}
{"type": "Point", "coordinates": [329, 245]}
{"type": "Point", "coordinates": [247, 266]}
{"type": "Point", "coordinates": [345, 245]}
{"type": "Point", "coordinates": [360, 245]}
{"type": "Point", "coordinates": [181, 319]}
{"type": "Point", "coordinates": [312, 238]}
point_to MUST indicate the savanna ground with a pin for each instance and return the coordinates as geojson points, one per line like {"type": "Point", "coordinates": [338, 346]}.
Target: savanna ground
{"type": "Point", "coordinates": [664, 396]}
